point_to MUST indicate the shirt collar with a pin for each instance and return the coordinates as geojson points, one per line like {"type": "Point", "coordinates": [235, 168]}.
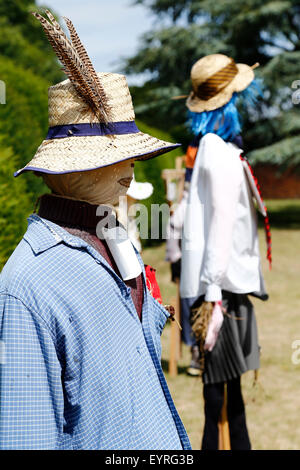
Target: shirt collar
{"type": "Point", "coordinates": [43, 235]}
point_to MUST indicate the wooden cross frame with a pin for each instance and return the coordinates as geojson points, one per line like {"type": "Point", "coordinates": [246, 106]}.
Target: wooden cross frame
{"type": "Point", "coordinates": [175, 175]}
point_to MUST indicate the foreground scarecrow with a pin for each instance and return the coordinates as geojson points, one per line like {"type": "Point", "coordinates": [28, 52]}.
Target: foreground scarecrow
{"type": "Point", "coordinates": [81, 331]}
{"type": "Point", "coordinates": [220, 251]}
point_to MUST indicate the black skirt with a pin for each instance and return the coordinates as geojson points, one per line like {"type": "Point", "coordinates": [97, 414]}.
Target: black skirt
{"type": "Point", "coordinates": [236, 350]}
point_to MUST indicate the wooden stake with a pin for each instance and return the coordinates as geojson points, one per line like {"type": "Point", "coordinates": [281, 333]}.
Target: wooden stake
{"type": "Point", "coordinates": [224, 436]}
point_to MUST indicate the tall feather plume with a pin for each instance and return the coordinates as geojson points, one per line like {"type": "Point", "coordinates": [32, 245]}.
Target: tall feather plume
{"type": "Point", "coordinates": [80, 49]}
{"type": "Point", "coordinates": [76, 65]}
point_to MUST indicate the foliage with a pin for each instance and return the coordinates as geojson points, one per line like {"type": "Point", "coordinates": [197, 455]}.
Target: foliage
{"type": "Point", "coordinates": [18, 48]}
{"type": "Point", "coordinates": [284, 153]}
{"type": "Point", "coordinates": [250, 31]}
{"type": "Point", "coordinates": [24, 117]}
{"type": "Point", "coordinates": [14, 203]}
{"type": "Point", "coordinates": [28, 67]}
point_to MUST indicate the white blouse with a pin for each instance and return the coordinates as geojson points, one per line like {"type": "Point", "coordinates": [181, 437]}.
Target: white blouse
{"type": "Point", "coordinates": [220, 247]}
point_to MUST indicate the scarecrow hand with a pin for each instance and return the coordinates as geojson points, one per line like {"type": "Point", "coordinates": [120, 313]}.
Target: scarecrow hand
{"type": "Point", "coordinates": [214, 327]}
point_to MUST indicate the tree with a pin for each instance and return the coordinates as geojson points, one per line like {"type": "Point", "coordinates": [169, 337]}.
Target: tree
{"type": "Point", "coordinates": [14, 203]}
{"type": "Point", "coordinates": [28, 67]}
{"type": "Point", "coordinates": [249, 31]}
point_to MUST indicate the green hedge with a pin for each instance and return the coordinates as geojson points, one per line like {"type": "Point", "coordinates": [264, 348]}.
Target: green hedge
{"type": "Point", "coordinates": [14, 203]}
{"type": "Point", "coordinates": [24, 117]}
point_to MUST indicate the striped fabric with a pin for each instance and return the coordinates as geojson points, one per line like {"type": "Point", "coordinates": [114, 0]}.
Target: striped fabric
{"type": "Point", "coordinates": [214, 84]}
{"type": "Point", "coordinates": [237, 349]}
{"type": "Point", "coordinates": [78, 368]}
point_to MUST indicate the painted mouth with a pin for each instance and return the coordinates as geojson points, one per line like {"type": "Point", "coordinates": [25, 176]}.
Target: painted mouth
{"type": "Point", "coordinates": [125, 182]}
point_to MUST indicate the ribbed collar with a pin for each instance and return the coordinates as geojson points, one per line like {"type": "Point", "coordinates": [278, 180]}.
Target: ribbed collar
{"type": "Point", "coordinates": [71, 213]}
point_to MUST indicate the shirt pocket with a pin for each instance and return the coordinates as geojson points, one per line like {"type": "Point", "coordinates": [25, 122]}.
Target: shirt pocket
{"type": "Point", "coordinates": [159, 318]}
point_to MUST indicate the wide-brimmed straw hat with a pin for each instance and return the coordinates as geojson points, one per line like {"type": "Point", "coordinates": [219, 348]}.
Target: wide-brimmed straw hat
{"type": "Point", "coordinates": [214, 79]}
{"type": "Point", "coordinates": [91, 116]}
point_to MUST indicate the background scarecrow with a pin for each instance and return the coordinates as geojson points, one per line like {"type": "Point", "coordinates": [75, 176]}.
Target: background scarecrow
{"type": "Point", "coordinates": [220, 252]}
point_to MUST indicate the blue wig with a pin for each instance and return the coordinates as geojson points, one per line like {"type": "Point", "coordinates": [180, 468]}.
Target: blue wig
{"type": "Point", "coordinates": [225, 121]}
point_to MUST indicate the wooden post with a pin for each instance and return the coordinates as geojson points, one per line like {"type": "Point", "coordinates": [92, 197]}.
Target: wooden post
{"type": "Point", "coordinates": [181, 172]}
{"type": "Point", "coordinates": [224, 436]}
{"type": "Point", "coordinates": [177, 175]}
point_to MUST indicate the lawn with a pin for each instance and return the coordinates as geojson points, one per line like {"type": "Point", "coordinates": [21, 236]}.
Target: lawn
{"type": "Point", "coordinates": [273, 406]}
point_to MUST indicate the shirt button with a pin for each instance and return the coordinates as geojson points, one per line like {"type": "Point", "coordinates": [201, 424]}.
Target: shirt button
{"type": "Point", "coordinates": [75, 358]}
{"type": "Point", "coordinates": [138, 348]}
{"type": "Point", "coordinates": [128, 292]}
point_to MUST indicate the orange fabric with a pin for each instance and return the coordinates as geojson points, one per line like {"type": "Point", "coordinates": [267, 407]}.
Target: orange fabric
{"type": "Point", "coordinates": [190, 156]}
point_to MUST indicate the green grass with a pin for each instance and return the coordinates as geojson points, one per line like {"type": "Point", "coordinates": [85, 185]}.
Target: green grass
{"type": "Point", "coordinates": [273, 407]}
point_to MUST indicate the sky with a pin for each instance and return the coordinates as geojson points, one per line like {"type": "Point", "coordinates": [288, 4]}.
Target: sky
{"type": "Point", "coordinates": [109, 29]}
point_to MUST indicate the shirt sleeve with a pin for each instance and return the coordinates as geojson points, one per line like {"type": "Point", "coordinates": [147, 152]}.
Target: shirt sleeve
{"type": "Point", "coordinates": [223, 175]}
{"type": "Point", "coordinates": [30, 379]}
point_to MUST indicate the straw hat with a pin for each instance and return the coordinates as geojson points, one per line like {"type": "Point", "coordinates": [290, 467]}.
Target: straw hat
{"type": "Point", "coordinates": [214, 79]}
{"type": "Point", "coordinates": [91, 116]}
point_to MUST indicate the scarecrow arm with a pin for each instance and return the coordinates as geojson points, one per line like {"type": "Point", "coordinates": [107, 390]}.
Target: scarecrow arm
{"type": "Point", "coordinates": [29, 380]}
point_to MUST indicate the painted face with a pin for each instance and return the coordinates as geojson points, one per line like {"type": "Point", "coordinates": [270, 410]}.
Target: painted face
{"type": "Point", "coordinates": [102, 186]}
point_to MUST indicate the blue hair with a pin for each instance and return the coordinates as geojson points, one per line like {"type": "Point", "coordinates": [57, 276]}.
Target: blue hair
{"type": "Point", "coordinates": [226, 120]}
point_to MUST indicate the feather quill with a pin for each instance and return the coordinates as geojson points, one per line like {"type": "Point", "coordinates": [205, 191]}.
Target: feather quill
{"type": "Point", "coordinates": [80, 49]}
{"type": "Point", "coordinates": [77, 65]}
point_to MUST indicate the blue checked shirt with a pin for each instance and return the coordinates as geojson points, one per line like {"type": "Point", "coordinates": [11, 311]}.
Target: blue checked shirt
{"type": "Point", "coordinates": [78, 369]}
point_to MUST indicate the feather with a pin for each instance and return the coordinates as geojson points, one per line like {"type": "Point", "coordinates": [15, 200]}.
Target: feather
{"type": "Point", "coordinates": [71, 63]}
{"type": "Point", "coordinates": [76, 65]}
{"type": "Point", "coordinates": [80, 49]}
{"type": "Point", "coordinates": [53, 20]}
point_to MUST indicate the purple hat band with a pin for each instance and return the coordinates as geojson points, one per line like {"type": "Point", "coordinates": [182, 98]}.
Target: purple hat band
{"type": "Point", "coordinates": [97, 129]}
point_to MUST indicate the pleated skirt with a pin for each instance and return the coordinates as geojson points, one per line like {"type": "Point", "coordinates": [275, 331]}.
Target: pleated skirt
{"type": "Point", "coordinates": [237, 348]}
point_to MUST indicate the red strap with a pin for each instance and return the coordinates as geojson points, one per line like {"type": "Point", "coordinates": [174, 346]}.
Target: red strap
{"type": "Point", "coordinates": [266, 218]}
